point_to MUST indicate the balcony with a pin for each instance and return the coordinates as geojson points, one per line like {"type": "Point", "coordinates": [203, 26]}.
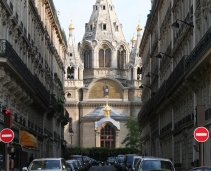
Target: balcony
{"type": "Point", "coordinates": [6, 51]}
{"type": "Point", "coordinates": [208, 114]}
{"type": "Point", "coordinates": [197, 53]}
{"type": "Point", "coordinates": [166, 128]}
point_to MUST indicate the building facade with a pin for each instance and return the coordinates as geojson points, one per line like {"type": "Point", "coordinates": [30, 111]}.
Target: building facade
{"type": "Point", "coordinates": [102, 69]}
{"type": "Point", "coordinates": [176, 77]}
{"type": "Point", "coordinates": [32, 52]}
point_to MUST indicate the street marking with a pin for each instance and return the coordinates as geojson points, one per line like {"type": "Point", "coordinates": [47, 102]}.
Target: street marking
{"type": "Point", "coordinates": [201, 134]}
{"type": "Point", "coordinates": [6, 135]}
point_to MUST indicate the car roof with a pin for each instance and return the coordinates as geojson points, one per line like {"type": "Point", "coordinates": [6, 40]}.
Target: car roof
{"type": "Point", "coordinates": [200, 167]}
{"type": "Point", "coordinates": [155, 158]}
{"type": "Point", "coordinates": [137, 157]}
{"type": "Point", "coordinates": [47, 159]}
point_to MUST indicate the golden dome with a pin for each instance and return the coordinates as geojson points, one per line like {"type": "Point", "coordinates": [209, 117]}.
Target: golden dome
{"type": "Point", "coordinates": [71, 26]}
{"type": "Point", "coordinates": [133, 40]}
{"type": "Point", "coordinates": [138, 28]}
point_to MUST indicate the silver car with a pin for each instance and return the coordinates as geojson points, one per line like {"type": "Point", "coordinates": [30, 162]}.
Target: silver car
{"type": "Point", "coordinates": [55, 164]}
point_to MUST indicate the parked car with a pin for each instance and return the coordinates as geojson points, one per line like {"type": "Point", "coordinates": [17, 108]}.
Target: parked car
{"type": "Point", "coordinates": [137, 164]}
{"type": "Point", "coordinates": [55, 164]}
{"type": "Point", "coordinates": [202, 168]}
{"type": "Point", "coordinates": [134, 162]}
{"type": "Point", "coordinates": [82, 159]}
{"type": "Point", "coordinates": [154, 163]}
{"type": "Point", "coordinates": [73, 165]}
{"type": "Point", "coordinates": [128, 161]}
{"type": "Point", "coordinates": [82, 166]}
{"type": "Point", "coordinates": [96, 162]}
{"type": "Point", "coordinates": [110, 160]}
{"type": "Point", "coordinates": [119, 162]}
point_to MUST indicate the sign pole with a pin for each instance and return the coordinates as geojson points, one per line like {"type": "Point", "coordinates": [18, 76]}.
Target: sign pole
{"type": "Point", "coordinates": [6, 157]}
{"type": "Point", "coordinates": [201, 154]}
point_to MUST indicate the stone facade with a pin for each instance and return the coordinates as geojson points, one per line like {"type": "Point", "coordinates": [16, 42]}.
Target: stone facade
{"type": "Point", "coordinates": [102, 59]}
{"type": "Point", "coordinates": [32, 52]}
{"type": "Point", "coordinates": [180, 80]}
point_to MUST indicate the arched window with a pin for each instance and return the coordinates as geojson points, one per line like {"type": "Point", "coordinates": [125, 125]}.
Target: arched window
{"type": "Point", "coordinates": [121, 57]}
{"type": "Point", "coordinates": [139, 72]}
{"type": "Point", "coordinates": [70, 72]}
{"type": "Point", "coordinates": [105, 57]}
{"type": "Point", "coordinates": [107, 137]}
{"type": "Point", "coordinates": [87, 59]}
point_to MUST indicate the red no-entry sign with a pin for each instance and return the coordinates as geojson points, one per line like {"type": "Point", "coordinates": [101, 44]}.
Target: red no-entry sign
{"type": "Point", "coordinates": [201, 134]}
{"type": "Point", "coordinates": [6, 135]}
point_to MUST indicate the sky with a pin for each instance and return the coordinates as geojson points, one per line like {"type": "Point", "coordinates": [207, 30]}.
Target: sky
{"type": "Point", "coordinates": [129, 12]}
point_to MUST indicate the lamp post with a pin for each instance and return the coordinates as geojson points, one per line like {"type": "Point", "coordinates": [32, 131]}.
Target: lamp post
{"type": "Point", "coordinates": [71, 134]}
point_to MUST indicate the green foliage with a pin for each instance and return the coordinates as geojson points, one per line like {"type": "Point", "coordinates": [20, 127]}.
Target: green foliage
{"type": "Point", "coordinates": [132, 139]}
{"type": "Point", "coordinates": [98, 153]}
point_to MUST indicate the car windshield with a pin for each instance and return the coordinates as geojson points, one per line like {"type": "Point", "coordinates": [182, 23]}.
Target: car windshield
{"type": "Point", "coordinates": [111, 158]}
{"type": "Point", "coordinates": [45, 164]}
{"type": "Point", "coordinates": [121, 159]}
{"type": "Point", "coordinates": [157, 165]}
{"type": "Point", "coordinates": [129, 159]}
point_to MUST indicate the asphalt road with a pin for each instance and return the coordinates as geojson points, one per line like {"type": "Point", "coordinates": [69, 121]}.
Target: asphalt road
{"type": "Point", "coordinates": [102, 168]}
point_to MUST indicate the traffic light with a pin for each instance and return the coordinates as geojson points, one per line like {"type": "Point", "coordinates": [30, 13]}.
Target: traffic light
{"type": "Point", "coordinates": [8, 118]}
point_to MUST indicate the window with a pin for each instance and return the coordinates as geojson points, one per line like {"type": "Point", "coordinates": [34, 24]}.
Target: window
{"type": "Point", "coordinates": [104, 7]}
{"type": "Point", "coordinates": [117, 29]}
{"type": "Point", "coordinates": [104, 26]}
{"type": "Point", "coordinates": [121, 57]}
{"type": "Point", "coordinates": [70, 54]}
{"type": "Point", "coordinates": [88, 59]}
{"type": "Point", "coordinates": [90, 27]}
{"type": "Point", "coordinates": [104, 57]}
{"type": "Point", "coordinates": [96, 7]}
{"type": "Point", "coordinates": [107, 136]}
{"type": "Point", "coordinates": [111, 8]}
{"type": "Point", "coordinates": [70, 72]}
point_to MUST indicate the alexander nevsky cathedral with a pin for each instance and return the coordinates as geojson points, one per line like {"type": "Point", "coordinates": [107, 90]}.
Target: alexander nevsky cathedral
{"type": "Point", "coordinates": [102, 79]}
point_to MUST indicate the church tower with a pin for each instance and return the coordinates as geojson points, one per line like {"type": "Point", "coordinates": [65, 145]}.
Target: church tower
{"type": "Point", "coordinates": [102, 71]}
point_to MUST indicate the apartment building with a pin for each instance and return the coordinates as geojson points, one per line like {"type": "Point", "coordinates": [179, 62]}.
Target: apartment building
{"type": "Point", "coordinates": [32, 52]}
{"type": "Point", "coordinates": [175, 51]}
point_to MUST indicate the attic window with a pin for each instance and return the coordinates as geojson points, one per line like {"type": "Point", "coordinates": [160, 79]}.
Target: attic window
{"type": "Point", "coordinates": [104, 26]}
{"type": "Point", "coordinates": [103, 7]}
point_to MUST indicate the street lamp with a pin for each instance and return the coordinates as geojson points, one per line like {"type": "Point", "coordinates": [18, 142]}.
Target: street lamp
{"type": "Point", "coordinates": [71, 134]}
{"type": "Point", "coordinates": [150, 73]}
{"type": "Point", "coordinates": [142, 86]}
{"type": "Point", "coordinates": [160, 56]}
{"type": "Point", "coordinates": [175, 25]}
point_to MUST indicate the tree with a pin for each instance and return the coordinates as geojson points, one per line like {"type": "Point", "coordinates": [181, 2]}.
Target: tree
{"type": "Point", "coordinates": [132, 139]}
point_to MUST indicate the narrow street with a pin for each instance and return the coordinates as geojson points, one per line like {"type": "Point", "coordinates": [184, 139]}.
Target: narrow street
{"type": "Point", "coordinates": [102, 168]}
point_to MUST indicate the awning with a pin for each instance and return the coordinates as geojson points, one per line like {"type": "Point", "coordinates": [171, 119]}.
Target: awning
{"type": "Point", "coordinates": [28, 140]}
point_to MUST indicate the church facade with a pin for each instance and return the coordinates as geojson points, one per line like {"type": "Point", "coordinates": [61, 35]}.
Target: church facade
{"type": "Point", "coordinates": [102, 81]}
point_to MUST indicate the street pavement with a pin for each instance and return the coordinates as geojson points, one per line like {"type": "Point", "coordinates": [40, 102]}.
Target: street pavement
{"type": "Point", "coordinates": [102, 168]}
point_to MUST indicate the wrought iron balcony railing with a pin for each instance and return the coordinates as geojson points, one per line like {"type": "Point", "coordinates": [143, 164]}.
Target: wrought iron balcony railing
{"type": "Point", "coordinates": [200, 49]}
{"type": "Point", "coordinates": [6, 51]}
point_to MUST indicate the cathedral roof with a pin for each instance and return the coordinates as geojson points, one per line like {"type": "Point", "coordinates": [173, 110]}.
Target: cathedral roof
{"type": "Point", "coordinates": [134, 54]}
{"type": "Point", "coordinates": [103, 23]}
{"type": "Point", "coordinates": [98, 113]}
{"type": "Point", "coordinates": [73, 54]}
{"type": "Point", "coordinates": [107, 119]}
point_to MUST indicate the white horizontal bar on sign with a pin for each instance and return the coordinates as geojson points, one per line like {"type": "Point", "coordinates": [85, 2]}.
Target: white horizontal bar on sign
{"type": "Point", "coordinates": [6, 135]}
{"type": "Point", "coordinates": [201, 134]}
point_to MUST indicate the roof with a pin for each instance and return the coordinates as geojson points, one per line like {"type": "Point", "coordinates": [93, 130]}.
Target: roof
{"type": "Point", "coordinates": [99, 113]}
{"type": "Point", "coordinates": [156, 158]}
